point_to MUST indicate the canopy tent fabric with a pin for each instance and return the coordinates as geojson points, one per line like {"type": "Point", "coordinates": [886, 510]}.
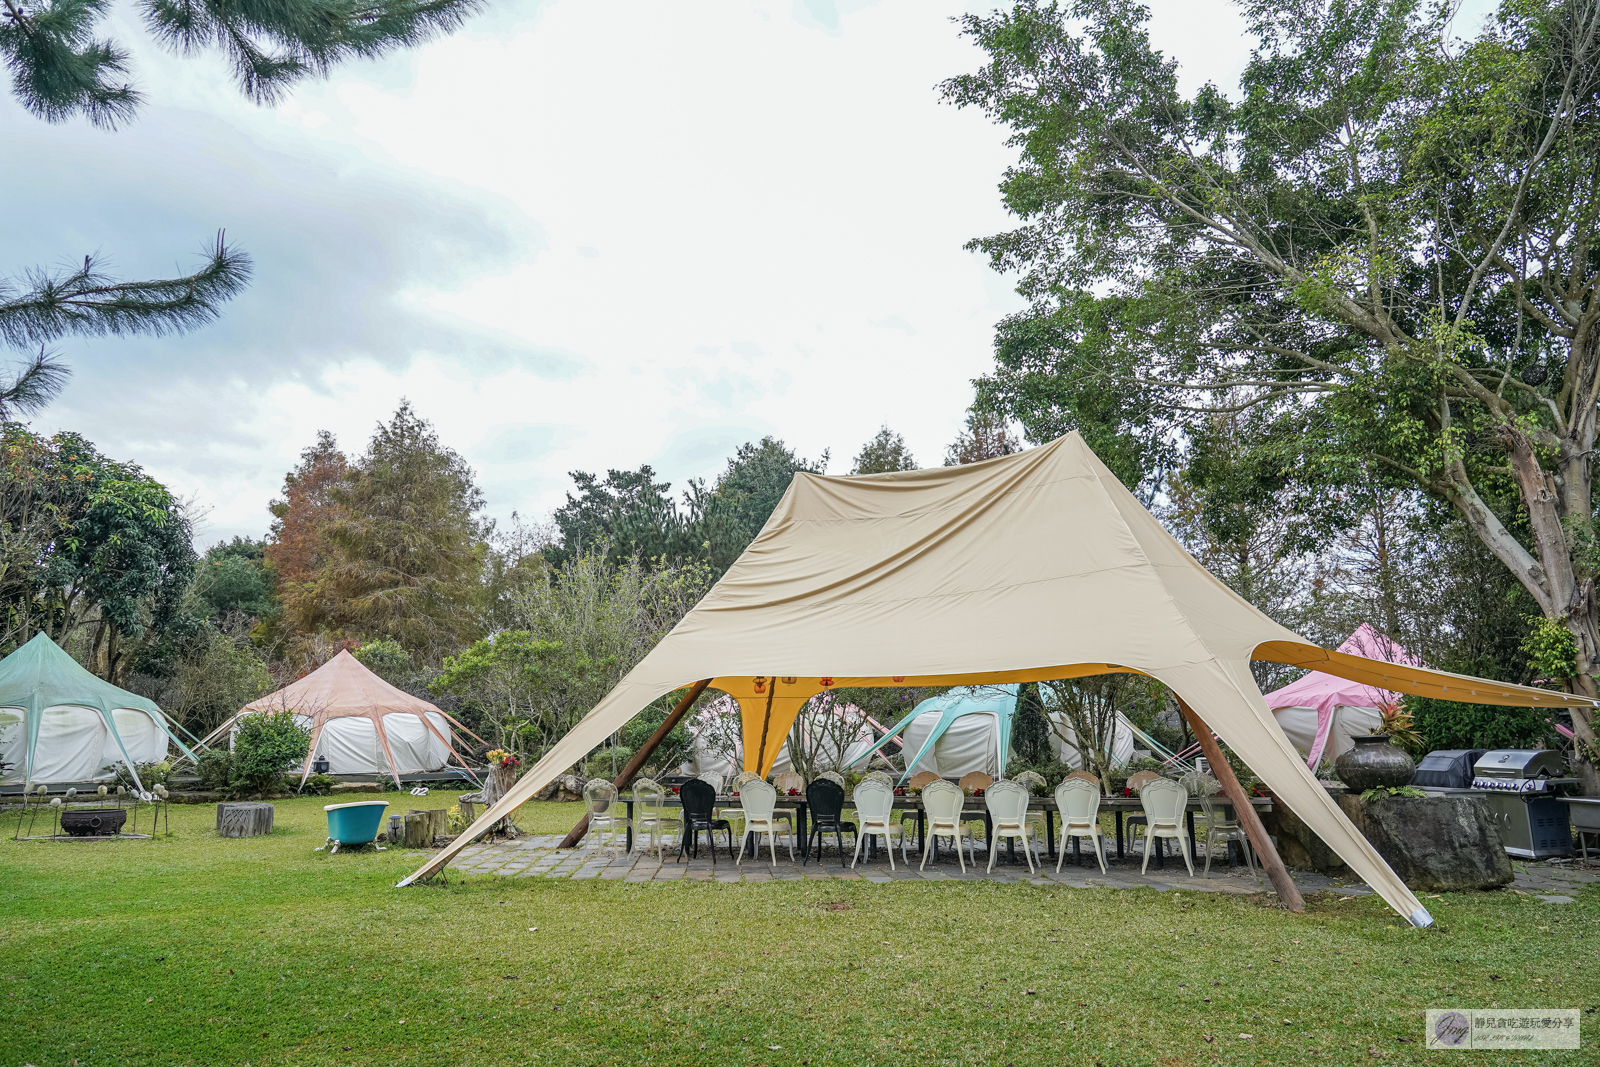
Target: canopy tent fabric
{"type": "Point", "coordinates": [60, 723]}
{"type": "Point", "coordinates": [1321, 706]}
{"type": "Point", "coordinates": [360, 723]}
{"type": "Point", "coordinates": [1028, 567]}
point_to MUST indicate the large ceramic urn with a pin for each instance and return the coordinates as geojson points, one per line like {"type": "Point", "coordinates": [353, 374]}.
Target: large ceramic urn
{"type": "Point", "coordinates": [1374, 763]}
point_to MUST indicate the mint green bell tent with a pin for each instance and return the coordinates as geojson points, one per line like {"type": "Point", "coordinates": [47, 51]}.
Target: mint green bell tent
{"type": "Point", "coordinates": [981, 740]}
{"type": "Point", "coordinates": [59, 723]}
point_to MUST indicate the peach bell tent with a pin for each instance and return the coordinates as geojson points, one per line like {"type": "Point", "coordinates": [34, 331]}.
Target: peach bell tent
{"type": "Point", "coordinates": [1032, 566]}
{"type": "Point", "coordinates": [360, 723]}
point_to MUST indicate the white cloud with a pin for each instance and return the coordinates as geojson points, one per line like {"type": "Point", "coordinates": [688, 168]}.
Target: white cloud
{"type": "Point", "coordinates": [578, 235]}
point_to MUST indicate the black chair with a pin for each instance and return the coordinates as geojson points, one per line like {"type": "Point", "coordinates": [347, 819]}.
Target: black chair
{"type": "Point", "coordinates": [825, 798]}
{"type": "Point", "coordinates": [699, 800]}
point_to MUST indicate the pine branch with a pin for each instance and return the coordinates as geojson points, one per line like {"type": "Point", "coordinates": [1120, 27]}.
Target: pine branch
{"type": "Point", "coordinates": [274, 44]}
{"type": "Point", "coordinates": [59, 68]}
{"type": "Point", "coordinates": [85, 302]}
{"type": "Point", "coordinates": [35, 386]}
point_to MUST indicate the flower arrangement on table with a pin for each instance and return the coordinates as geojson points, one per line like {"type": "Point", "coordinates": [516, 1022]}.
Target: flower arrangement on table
{"type": "Point", "coordinates": [499, 757]}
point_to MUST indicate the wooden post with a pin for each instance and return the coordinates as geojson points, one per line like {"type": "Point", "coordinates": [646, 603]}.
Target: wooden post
{"type": "Point", "coordinates": [632, 768]}
{"type": "Point", "coordinates": [1288, 892]}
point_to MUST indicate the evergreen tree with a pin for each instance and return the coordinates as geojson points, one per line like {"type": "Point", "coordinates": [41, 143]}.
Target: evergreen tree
{"type": "Point", "coordinates": [298, 548]}
{"type": "Point", "coordinates": [234, 578]}
{"type": "Point", "coordinates": [884, 454]}
{"type": "Point", "coordinates": [983, 436]}
{"type": "Point", "coordinates": [729, 517]}
{"type": "Point", "coordinates": [406, 548]}
{"type": "Point", "coordinates": [629, 511]}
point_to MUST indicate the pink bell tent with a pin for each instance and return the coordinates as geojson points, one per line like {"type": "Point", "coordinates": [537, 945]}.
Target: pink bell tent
{"type": "Point", "coordinates": [1320, 708]}
{"type": "Point", "coordinates": [360, 723]}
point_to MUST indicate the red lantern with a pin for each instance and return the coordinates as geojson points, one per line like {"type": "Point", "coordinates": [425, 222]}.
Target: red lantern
{"type": "Point", "coordinates": [827, 682]}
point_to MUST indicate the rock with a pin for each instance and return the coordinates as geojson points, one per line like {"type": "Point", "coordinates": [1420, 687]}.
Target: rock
{"type": "Point", "coordinates": [1434, 843]}
{"type": "Point", "coordinates": [566, 787]}
{"type": "Point", "coordinates": [1298, 845]}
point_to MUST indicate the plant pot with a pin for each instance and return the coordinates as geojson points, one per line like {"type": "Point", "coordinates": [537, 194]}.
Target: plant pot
{"type": "Point", "coordinates": [93, 822]}
{"type": "Point", "coordinates": [1374, 763]}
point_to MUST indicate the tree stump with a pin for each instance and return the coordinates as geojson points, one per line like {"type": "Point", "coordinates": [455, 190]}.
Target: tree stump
{"type": "Point", "coordinates": [244, 819]}
{"type": "Point", "coordinates": [496, 785]}
{"type": "Point", "coordinates": [423, 826]}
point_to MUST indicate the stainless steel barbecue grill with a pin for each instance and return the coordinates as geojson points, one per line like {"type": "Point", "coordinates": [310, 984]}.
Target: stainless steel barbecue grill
{"type": "Point", "coordinates": [1520, 787]}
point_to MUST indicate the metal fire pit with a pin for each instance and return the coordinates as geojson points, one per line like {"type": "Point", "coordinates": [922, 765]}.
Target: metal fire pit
{"type": "Point", "coordinates": [1520, 787]}
{"type": "Point", "coordinates": [93, 822]}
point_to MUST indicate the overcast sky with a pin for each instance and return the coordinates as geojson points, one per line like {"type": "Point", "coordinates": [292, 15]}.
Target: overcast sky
{"type": "Point", "coordinates": [579, 234]}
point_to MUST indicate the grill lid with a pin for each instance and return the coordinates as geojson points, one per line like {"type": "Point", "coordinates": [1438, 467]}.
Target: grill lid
{"type": "Point", "coordinates": [1518, 763]}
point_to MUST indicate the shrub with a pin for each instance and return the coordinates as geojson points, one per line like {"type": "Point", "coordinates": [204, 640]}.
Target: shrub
{"type": "Point", "coordinates": [1446, 724]}
{"type": "Point", "coordinates": [152, 774]}
{"type": "Point", "coordinates": [214, 767]}
{"type": "Point", "coordinates": [266, 744]}
{"type": "Point", "coordinates": [319, 785]}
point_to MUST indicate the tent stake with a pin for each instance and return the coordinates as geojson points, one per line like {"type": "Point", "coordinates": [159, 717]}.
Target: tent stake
{"type": "Point", "coordinates": [1288, 892]}
{"type": "Point", "coordinates": [632, 767]}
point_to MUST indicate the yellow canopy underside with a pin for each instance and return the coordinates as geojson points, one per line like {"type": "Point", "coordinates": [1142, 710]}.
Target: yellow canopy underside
{"type": "Point", "coordinates": [769, 705]}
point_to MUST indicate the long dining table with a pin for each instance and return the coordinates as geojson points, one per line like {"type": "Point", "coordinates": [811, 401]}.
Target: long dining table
{"type": "Point", "coordinates": [974, 809]}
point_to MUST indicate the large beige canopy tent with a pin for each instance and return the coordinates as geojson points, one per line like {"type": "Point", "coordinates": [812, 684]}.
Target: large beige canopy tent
{"type": "Point", "coordinates": [360, 723]}
{"type": "Point", "coordinates": [1028, 567]}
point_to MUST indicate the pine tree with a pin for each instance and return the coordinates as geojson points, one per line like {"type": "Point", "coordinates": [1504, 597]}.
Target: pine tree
{"type": "Point", "coordinates": [298, 550]}
{"type": "Point", "coordinates": [885, 453]}
{"type": "Point", "coordinates": [984, 436]}
{"type": "Point", "coordinates": [406, 549]}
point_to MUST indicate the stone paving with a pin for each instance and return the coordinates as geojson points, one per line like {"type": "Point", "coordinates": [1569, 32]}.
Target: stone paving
{"type": "Point", "coordinates": [1556, 881]}
{"type": "Point", "coordinates": [537, 857]}
{"type": "Point", "coordinates": [1552, 881]}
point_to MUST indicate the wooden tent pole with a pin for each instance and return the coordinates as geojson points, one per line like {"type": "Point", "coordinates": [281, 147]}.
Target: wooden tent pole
{"type": "Point", "coordinates": [1288, 892]}
{"type": "Point", "coordinates": [631, 768]}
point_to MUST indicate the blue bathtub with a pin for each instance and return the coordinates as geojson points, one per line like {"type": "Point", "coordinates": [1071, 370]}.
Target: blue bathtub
{"type": "Point", "coordinates": [355, 823]}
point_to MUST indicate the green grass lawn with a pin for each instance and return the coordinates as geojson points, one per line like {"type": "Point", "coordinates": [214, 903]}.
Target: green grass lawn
{"type": "Point", "coordinates": [194, 950]}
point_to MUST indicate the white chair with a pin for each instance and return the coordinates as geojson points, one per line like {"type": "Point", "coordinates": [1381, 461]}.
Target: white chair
{"type": "Point", "coordinates": [1008, 813]}
{"type": "Point", "coordinates": [736, 814]}
{"type": "Point", "coordinates": [1220, 829]}
{"type": "Point", "coordinates": [880, 776]}
{"type": "Point", "coordinates": [1079, 803]}
{"type": "Point", "coordinates": [651, 816]}
{"type": "Point", "coordinates": [605, 811]}
{"type": "Point", "coordinates": [760, 799]}
{"type": "Point", "coordinates": [874, 803]}
{"type": "Point", "coordinates": [1164, 802]}
{"type": "Point", "coordinates": [942, 801]}
{"type": "Point", "coordinates": [1034, 783]}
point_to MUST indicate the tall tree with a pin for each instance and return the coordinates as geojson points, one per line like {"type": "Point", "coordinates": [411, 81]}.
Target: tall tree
{"type": "Point", "coordinates": [984, 435]}
{"type": "Point", "coordinates": [91, 549]}
{"type": "Point", "coordinates": [634, 517]}
{"type": "Point", "coordinates": [1387, 244]}
{"type": "Point", "coordinates": [298, 548]}
{"type": "Point", "coordinates": [884, 454]}
{"type": "Point", "coordinates": [629, 511]}
{"type": "Point", "coordinates": [406, 549]}
{"type": "Point", "coordinates": [746, 494]}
